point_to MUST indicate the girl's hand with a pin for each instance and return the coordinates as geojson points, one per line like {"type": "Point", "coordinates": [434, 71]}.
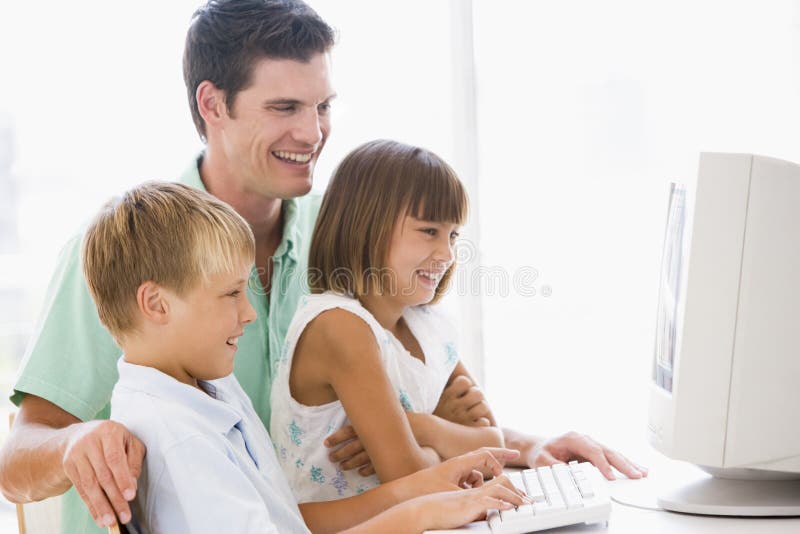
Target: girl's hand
{"type": "Point", "coordinates": [456, 508]}
{"type": "Point", "coordinates": [462, 472]}
{"type": "Point", "coordinates": [468, 470]}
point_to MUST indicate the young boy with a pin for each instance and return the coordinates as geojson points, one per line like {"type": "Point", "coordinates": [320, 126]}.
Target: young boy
{"type": "Point", "coordinates": [167, 266]}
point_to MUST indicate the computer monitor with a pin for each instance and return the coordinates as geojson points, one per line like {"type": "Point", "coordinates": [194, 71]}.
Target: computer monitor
{"type": "Point", "coordinates": [725, 393]}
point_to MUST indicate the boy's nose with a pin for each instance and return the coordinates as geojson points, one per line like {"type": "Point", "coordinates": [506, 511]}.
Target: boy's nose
{"type": "Point", "coordinates": [248, 315]}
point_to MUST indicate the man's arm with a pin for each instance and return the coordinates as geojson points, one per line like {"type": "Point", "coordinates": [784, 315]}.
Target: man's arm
{"type": "Point", "coordinates": [450, 439]}
{"type": "Point", "coordinates": [463, 402]}
{"type": "Point", "coordinates": [537, 451]}
{"type": "Point", "coordinates": [48, 450]}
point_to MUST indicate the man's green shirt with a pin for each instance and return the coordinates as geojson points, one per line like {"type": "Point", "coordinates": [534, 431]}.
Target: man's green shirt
{"type": "Point", "coordinates": [72, 359]}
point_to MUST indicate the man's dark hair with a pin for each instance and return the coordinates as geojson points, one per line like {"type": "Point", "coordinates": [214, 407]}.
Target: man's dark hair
{"type": "Point", "coordinates": [227, 37]}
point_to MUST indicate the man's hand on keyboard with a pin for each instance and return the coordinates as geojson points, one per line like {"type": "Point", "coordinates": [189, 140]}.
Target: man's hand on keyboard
{"type": "Point", "coordinates": [575, 446]}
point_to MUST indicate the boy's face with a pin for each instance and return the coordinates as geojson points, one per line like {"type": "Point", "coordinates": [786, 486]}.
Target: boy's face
{"type": "Point", "coordinates": [206, 322]}
{"type": "Point", "coordinates": [276, 128]}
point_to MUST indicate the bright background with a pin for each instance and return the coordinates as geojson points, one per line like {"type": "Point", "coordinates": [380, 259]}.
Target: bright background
{"type": "Point", "coordinates": [566, 119]}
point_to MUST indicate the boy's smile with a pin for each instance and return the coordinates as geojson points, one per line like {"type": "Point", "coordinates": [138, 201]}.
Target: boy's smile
{"type": "Point", "coordinates": [202, 334]}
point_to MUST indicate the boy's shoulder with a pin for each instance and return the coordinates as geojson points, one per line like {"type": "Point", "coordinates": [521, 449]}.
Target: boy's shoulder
{"type": "Point", "coordinates": [158, 422]}
{"type": "Point", "coordinates": [164, 413]}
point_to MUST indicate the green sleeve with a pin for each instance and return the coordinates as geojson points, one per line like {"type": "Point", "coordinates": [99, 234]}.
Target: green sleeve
{"type": "Point", "coordinates": [71, 358]}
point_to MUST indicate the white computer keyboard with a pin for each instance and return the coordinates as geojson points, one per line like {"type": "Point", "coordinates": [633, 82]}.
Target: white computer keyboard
{"type": "Point", "coordinates": [562, 494]}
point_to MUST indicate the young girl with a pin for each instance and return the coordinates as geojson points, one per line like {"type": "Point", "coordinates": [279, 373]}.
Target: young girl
{"type": "Point", "coordinates": [368, 348]}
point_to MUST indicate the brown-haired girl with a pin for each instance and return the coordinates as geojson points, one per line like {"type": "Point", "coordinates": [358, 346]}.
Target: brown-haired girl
{"type": "Point", "coordinates": [368, 348]}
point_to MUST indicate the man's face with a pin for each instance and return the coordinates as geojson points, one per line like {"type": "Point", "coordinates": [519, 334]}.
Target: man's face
{"type": "Point", "coordinates": [276, 128]}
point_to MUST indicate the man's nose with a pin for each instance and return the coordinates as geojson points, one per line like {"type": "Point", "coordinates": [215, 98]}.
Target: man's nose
{"type": "Point", "coordinates": [308, 129]}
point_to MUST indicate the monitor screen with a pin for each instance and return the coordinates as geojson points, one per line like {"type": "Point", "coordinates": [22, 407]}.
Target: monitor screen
{"type": "Point", "coordinates": [669, 290]}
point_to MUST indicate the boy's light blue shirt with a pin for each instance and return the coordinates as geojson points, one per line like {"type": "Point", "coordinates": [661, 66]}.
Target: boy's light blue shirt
{"type": "Point", "coordinates": [71, 358]}
{"type": "Point", "coordinates": [210, 465]}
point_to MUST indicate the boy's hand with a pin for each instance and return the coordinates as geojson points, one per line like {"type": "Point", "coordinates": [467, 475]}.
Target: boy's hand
{"type": "Point", "coordinates": [103, 460]}
{"type": "Point", "coordinates": [348, 451]}
{"type": "Point", "coordinates": [463, 402]}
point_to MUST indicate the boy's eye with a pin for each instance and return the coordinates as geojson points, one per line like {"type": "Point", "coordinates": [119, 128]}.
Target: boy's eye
{"type": "Point", "coordinates": [234, 293]}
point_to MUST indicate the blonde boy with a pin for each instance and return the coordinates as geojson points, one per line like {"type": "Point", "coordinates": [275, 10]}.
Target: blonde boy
{"type": "Point", "coordinates": [167, 266]}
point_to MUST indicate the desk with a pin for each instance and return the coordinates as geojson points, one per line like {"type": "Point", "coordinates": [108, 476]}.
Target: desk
{"type": "Point", "coordinates": [626, 519]}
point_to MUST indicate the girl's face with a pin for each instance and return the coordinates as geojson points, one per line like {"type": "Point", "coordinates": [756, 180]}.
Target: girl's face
{"type": "Point", "coordinates": [420, 252]}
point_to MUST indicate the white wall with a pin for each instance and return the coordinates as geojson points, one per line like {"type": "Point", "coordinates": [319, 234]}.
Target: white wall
{"type": "Point", "coordinates": [586, 111]}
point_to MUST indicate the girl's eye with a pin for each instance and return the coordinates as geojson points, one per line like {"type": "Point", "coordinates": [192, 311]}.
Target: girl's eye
{"type": "Point", "coordinates": [430, 231]}
{"type": "Point", "coordinates": [454, 235]}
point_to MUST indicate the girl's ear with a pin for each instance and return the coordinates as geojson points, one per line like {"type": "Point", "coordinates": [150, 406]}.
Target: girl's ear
{"type": "Point", "coordinates": [153, 302]}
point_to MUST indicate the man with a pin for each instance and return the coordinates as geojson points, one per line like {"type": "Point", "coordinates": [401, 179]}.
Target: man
{"type": "Point", "coordinates": [258, 84]}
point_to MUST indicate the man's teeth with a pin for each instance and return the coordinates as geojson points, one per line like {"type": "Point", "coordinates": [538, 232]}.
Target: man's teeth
{"type": "Point", "coordinates": [293, 156]}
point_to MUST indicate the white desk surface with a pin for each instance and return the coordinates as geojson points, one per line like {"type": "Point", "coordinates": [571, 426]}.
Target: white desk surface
{"type": "Point", "coordinates": [626, 519]}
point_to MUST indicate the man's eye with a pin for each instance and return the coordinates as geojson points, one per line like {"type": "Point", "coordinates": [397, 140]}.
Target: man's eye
{"type": "Point", "coordinates": [324, 108]}
{"type": "Point", "coordinates": [283, 109]}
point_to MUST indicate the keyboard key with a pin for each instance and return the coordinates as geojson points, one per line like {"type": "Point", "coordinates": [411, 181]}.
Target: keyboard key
{"type": "Point", "coordinates": [563, 494]}
{"type": "Point", "coordinates": [516, 479]}
{"type": "Point", "coordinates": [493, 517]}
{"type": "Point", "coordinates": [522, 513]}
{"type": "Point", "coordinates": [586, 489]}
{"type": "Point", "coordinates": [532, 485]}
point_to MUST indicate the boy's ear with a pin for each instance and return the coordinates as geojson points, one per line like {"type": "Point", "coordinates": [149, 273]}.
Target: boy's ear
{"type": "Point", "coordinates": [151, 299]}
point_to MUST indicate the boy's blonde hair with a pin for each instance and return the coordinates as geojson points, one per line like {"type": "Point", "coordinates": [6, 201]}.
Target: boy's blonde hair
{"type": "Point", "coordinates": [371, 188]}
{"type": "Point", "coordinates": [163, 232]}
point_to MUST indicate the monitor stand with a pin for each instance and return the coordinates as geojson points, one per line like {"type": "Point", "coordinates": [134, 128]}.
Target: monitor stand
{"type": "Point", "coordinates": [755, 496]}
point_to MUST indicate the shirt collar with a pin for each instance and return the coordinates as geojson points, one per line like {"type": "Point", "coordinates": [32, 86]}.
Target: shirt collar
{"type": "Point", "coordinates": [191, 175]}
{"type": "Point", "coordinates": [289, 242]}
{"type": "Point", "coordinates": [216, 410]}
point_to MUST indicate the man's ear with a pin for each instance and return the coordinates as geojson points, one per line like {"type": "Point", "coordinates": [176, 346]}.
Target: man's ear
{"type": "Point", "coordinates": [211, 103]}
{"type": "Point", "coordinates": [153, 303]}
